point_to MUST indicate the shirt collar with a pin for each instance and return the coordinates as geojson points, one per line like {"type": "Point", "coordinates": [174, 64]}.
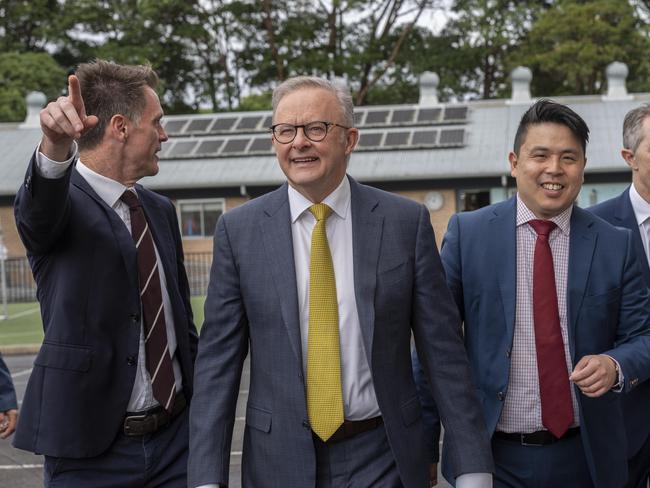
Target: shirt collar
{"type": "Point", "coordinates": [338, 201]}
{"type": "Point", "coordinates": [108, 190]}
{"type": "Point", "coordinates": [639, 205]}
{"type": "Point", "coordinates": [563, 220]}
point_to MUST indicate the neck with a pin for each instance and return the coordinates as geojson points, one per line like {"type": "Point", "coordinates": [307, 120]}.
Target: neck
{"type": "Point", "coordinates": [104, 163]}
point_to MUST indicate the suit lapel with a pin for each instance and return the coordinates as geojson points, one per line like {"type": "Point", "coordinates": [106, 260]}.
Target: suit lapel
{"type": "Point", "coordinates": [278, 246]}
{"type": "Point", "coordinates": [504, 241]}
{"type": "Point", "coordinates": [582, 244]}
{"type": "Point", "coordinates": [624, 217]}
{"type": "Point", "coordinates": [122, 235]}
{"type": "Point", "coordinates": [367, 225]}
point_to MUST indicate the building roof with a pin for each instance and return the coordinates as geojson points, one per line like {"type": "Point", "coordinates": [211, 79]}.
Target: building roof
{"type": "Point", "coordinates": [398, 142]}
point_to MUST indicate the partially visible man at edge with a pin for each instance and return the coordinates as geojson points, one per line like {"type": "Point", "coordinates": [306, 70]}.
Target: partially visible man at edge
{"type": "Point", "coordinates": [8, 403]}
{"type": "Point", "coordinates": [631, 210]}
{"type": "Point", "coordinates": [323, 281]}
{"type": "Point", "coordinates": [106, 401]}
{"type": "Point", "coordinates": [556, 315]}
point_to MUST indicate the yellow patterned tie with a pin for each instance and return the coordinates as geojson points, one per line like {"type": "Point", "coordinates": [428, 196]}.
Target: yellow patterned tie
{"type": "Point", "coordinates": [324, 391]}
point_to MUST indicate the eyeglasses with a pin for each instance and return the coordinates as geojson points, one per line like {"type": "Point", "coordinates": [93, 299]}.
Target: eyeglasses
{"type": "Point", "coordinates": [314, 131]}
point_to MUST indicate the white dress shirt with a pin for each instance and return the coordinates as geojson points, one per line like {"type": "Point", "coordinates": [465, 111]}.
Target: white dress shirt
{"type": "Point", "coordinates": [641, 210]}
{"type": "Point", "coordinates": [110, 191]}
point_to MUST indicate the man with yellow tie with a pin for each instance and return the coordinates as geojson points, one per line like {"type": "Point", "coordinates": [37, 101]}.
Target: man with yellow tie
{"type": "Point", "coordinates": [324, 281]}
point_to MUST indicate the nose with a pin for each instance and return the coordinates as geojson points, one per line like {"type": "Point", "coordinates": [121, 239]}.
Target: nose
{"type": "Point", "coordinates": [162, 135]}
{"type": "Point", "coordinates": [300, 140]}
{"type": "Point", "coordinates": [554, 165]}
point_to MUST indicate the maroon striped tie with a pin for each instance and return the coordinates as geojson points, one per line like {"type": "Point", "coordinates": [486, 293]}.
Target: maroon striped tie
{"type": "Point", "coordinates": [554, 386]}
{"type": "Point", "coordinates": [158, 358]}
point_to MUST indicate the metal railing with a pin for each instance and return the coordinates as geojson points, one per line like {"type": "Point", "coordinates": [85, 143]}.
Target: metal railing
{"type": "Point", "coordinates": [22, 288]}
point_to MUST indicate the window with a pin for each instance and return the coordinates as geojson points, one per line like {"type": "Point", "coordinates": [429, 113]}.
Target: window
{"type": "Point", "coordinates": [198, 218]}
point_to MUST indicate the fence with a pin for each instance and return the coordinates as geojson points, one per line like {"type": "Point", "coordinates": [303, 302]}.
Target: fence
{"type": "Point", "coordinates": [21, 286]}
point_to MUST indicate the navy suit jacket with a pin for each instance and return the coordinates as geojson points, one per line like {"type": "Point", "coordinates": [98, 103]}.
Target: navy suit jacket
{"type": "Point", "coordinates": [84, 262]}
{"type": "Point", "coordinates": [607, 309]}
{"type": "Point", "coordinates": [636, 405]}
{"type": "Point", "coordinates": [252, 304]}
{"type": "Point", "coordinates": [7, 392]}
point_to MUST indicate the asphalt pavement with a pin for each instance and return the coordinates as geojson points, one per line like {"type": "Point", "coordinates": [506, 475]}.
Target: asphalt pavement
{"type": "Point", "coordinates": [20, 469]}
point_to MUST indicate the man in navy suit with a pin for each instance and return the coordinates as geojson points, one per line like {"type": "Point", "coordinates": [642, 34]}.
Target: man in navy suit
{"type": "Point", "coordinates": [385, 284]}
{"type": "Point", "coordinates": [631, 210]}
{"type": "Point", "coordinates": [106, 401]}
{"type": "Point", "coordinates": [556, 315]}
{"type": "Point", "coordinates": [8, 404]}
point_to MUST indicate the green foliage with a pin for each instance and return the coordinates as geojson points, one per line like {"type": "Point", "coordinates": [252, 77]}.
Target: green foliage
{"type": "Point", "coordinates": [572, 43]}
{"type": "Point", "coordinates": [21, 73]}
{"type": "Point", "coordinates": [254, 102]}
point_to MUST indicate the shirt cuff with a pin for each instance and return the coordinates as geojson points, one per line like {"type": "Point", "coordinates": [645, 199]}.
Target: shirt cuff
{"type": "Point", "coordinates": [211, 485]}
{"type": "Point", "coordinates": [620, 381]}
{"type": "Point", "coordinates": [474, 480]}
{"type": "Point", "coordinates": [50, 169]}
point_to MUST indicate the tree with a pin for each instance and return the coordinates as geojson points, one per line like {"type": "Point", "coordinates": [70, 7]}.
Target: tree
{"type": "Point", "coordinates": [571, 44]}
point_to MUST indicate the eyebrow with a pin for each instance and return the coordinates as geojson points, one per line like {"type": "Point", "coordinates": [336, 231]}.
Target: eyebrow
{"type": "Point", "coordinates": [562, 151]}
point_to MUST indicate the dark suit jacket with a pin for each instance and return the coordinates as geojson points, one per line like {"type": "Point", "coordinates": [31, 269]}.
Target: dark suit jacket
{"type": "Point", "coordinates": [7, 393]}
{"type": "Point", "coordinates": [607, 309]}
{"type": "Point", "coordinates": [636, 405]}
{"type": "Point", "coordinates": [252, 303]}
{"type": "Point", "coordinates": [84, 262]}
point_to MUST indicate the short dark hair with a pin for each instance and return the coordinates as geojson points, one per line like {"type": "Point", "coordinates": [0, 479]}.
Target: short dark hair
{"type": "Point", "coordinates": [108, 89]}
{"type": "Point", "coordinates": [549, 111]}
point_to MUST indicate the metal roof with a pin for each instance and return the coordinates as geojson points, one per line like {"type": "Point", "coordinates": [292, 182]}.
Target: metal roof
{"type": "Point", "coordinates": [398, 142]}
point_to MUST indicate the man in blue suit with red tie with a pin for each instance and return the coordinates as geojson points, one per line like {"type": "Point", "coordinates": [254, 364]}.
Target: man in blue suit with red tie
{"type": "Point", "coordinates": [631, 210]}
{"type": "Point", "coordinates": [555, 315]}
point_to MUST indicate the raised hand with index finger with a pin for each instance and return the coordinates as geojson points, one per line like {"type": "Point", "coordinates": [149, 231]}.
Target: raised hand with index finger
{"type": "Point", "coordinates": [64, 121]}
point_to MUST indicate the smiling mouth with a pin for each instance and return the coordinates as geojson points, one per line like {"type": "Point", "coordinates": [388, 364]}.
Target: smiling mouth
{"type": "Point", "coordinates": [552, 186]}
{"type": "Point", "coordinates": [304, 160]}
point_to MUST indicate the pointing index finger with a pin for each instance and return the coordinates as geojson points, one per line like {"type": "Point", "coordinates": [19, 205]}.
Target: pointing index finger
{"type": "Point", "coordinates": [74, 92]}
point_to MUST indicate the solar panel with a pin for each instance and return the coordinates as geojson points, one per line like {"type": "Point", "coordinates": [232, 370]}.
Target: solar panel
{"type": "Point", "coordinates": [249, 122]}
{"type": "Point", "coordinates": [268, 122]}
{"type": "Point", "coordinates": [198, 125]}
{"type": "Point", "coordinates": [376, 117]}
{"type": "Point", "coordinates": [402, 116]}
{"type": "Point", "coordinates": [235, 146]}
{"type": "Point", "coordinates": [260, 144]}
{"type": "Point", "coordinates": [429, 115]}
{"type": "Point", "coordinates": [452, 136]}
{"type": "Point", "coordinates": [210, 147]}
{"type": "Point", "coordinates": [165, 147]}
{"type": "Point", "coordinates": [425, 138]}
{"type": "Point", "coordinates": [175, 126]}
{"type": "Point", "coordinates": [370, 140]}
{"type": "Point", "coordinates": [358, 118]}
{"type": "Point", "coordinates": [182, 148]}
{"type": "Point", "coordinates": [396, 138]}
{"type": "Point", "coordinates": [224, 123]}
{"type": "Point", "coordinates": [455, 113]}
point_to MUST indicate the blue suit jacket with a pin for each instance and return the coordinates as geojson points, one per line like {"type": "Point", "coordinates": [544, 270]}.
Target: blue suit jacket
{"type": "Point", "coordinates": [252, 304]}
{"type": "Point", "coordinates": [84, 263]}
{"type": "Point", "coordinates": [607, 308]}
{"type": "Point", "coordinates": [636, 405]}
{"type": "Point", "coordinates": [7, 392]}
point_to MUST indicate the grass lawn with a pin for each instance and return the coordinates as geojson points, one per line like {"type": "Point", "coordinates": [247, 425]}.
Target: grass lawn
{"type": "Point", "coordinates": [24, 325]}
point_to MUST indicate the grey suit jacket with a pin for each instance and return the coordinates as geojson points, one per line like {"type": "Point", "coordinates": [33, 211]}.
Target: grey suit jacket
{"type": "Point", "coordinates": [252, 306]}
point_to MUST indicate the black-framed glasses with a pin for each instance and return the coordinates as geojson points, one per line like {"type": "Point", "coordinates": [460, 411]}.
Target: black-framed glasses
{"type": "Point", "coordinates": [314, 131]}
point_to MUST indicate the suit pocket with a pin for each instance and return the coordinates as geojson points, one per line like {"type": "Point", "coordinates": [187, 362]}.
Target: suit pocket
{"type": "Point", "coordinates": [603, 298]}
{"type": "Point", "coordinates": [64, 356]}
{"type": "Point", "coordinates": [411, 411]}
{"type": "Point", "coordinates": [258, 418]}
{"type": "Point", "coordinates": [392, 273]}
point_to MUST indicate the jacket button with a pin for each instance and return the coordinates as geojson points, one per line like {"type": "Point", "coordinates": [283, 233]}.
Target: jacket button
{"type": "Point", "coordinates": [508, 352]}
{"type": "Point", "coordinates": [305, 424]}
{"type": "Point", "coordinates": [135, 318]}
{"type": "Point", "coordinates": [501, 396]}
{"type": "Point", "coordinates": [130, 360]}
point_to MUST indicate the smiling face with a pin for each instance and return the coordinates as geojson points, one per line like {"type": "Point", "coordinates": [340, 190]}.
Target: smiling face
{"type": "Point", "coordinates": [639, 161]}
{"type": "Point", "coordinates": [314, 169]}
{"type": "Point", "coordinates": [549, 169]}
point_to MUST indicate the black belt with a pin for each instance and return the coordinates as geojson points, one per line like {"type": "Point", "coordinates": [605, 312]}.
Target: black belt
{"type": "Point", "coordinates": [350, 428]}
{"type": "Point", "coordinates": [148, 422]}
{"type": "Point", "coordinates": [539, 438]}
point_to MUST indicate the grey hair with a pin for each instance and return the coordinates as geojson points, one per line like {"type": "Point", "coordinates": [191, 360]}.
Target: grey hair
{"type": "Point", "coordinates": [632, 125]}
{"type": "Point", "coordinates": [296, 83]}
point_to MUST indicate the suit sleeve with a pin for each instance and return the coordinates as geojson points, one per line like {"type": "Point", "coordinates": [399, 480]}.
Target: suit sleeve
{"type": "Point", "coordinates": [42, 209]}
{"type": "Point", "coordinates": [430, 417]}
{"type": "Point", "coordinates": [632, 349]}
{"type": "Point", "coordinates": [222, 349]}
{"type": "Point", "coordinates": [7, 392]}
{"type": "Point", "coordinates": [438, 339]}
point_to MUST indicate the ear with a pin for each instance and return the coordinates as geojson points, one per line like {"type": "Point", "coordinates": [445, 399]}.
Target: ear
{"type": "Point", "coordinates": [628, 156]}
{"type": "Point", "coordinates": [351, 139]}
{"type": "Point", "coordinates": [118, 127]}
{"type": "Point", "coordinates": [512, 157]}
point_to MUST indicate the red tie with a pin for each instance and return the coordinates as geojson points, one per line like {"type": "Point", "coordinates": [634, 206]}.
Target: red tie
{"type": "Point", "coordinates": [554, 386]}
{"type": "Point", "coordinates": [158, 359]}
